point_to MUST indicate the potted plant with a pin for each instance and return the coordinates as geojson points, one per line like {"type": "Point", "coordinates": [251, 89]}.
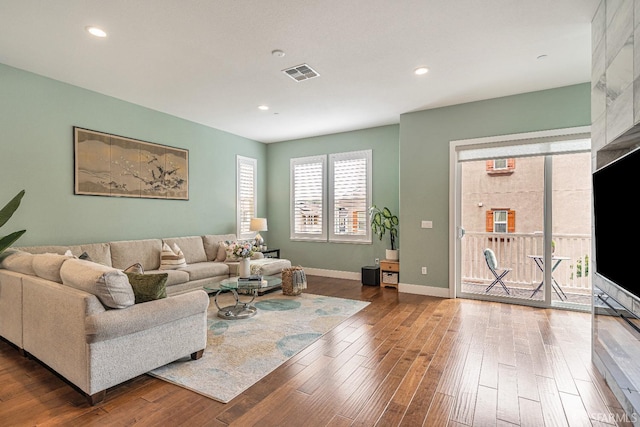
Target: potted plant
{"type": "Point", "coordinates": [381, 222]}
{"type": "Point", "coordinates": [6, 213]}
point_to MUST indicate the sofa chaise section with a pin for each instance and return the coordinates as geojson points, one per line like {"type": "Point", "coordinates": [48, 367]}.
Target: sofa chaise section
{"type": "Point", "coordinates": [95, 348]}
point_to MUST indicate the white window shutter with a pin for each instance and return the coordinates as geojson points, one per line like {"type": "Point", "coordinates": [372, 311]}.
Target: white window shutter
{"type": "Point", "coordinates": [350, 196]}
{"type": "Point", "coordinates": [308, 184]}
{"type": "Point", "coordinates": [246, 169]}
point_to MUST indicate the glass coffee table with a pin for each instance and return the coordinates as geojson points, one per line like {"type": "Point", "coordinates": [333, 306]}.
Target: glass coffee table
{"type": "Point", "coordinates": [241, 309]}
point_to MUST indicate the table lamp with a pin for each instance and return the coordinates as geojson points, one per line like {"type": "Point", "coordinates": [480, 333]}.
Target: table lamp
{"type": "Point", "coordinates": [258, 224]}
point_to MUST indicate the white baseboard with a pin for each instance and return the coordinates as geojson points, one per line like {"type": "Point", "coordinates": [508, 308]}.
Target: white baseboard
{"type": "Point", "coordinates": [402, 287]}
{"type": "Point", "coordinates": [336, 274]}
{"type": "Point", "coordinates": [423, 290]}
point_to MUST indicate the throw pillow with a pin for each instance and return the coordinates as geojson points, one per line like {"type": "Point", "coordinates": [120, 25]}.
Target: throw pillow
{"type": "Point", "coordinates": [148, 287]}
{"type": "Point", "coordinates": [110, 285]}
{"type": "Point", "coordinates": [18, 261]}
{"type": "Point", "coordinates": [135, 268]}
{"type": "Point", "coordinates": [228, 247]}
{"type": "Point", "coordinates": [171, 259]}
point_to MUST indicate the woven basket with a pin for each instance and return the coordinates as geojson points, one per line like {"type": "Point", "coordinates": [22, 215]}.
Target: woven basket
{"type": "Point", "coordinates": [289, 285]}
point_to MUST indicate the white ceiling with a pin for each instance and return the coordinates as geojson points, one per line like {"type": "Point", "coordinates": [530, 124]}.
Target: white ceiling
{"type": "Point", "coordinates": [210, 61]}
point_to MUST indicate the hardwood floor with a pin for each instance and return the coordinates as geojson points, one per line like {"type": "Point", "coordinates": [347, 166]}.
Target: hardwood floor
{"type": "Point", "coordinates": [405, 360]}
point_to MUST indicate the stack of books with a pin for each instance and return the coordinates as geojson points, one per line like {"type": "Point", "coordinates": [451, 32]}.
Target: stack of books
{"type": "Point", "coordinates": [253, 280]}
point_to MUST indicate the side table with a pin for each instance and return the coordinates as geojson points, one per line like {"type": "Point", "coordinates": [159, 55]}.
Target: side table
{"type": "Point", "coordinates": [271, 253]}
{"type": "Point", "coordinates": [390, 273]}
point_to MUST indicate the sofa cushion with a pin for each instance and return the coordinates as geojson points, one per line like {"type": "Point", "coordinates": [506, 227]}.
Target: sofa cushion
{"type": "Point", "coordinates": [212, 246]}
{"type": "Point", "coordinates": [110, 285]}
{"type": "Point", "coordinates": [18, 261]}
{"type": "Point", "coordinates": [148, 287]}
{"type": "Point", "coordinates": [205, 270]}
{"type": "Point", "coordinates": [175, 277]}
{"type": "Point", "coordinates": [171, 258]}
{"type": "Point", "coordinates": [97, 252]}
{"type": "Point", "coordinates": [51, 249]}
{"type": "Point", "coordinates": [127, 252]}
{"type": "Point", "coordinates": [269, 266]}
{"type": "Point", "coordinates": [47, 266]}
{"type": "Point", "coordinates": [192, 247]}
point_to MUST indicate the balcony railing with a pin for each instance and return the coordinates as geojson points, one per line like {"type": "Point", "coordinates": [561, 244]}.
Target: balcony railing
{"type": "Point", "coordinates": [512, 250]}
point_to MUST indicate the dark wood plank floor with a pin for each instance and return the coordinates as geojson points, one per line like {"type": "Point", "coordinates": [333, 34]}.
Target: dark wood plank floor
{"type": "Point", "coordinates": [405, 360]}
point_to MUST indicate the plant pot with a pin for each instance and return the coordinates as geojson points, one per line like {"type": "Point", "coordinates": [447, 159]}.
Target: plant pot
{"type": "Point", "coordinates": [244, 268]}
{"type": "Point", "coordinates": [393, 254]}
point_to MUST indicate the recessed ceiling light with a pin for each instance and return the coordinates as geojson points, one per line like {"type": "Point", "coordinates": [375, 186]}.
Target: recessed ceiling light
{"type": "Point", "coordinates": [420, 71]}
{"type": "Point", "coordinates": [263, 107]}
{"type": "Point", "coordinates": [95, 31]}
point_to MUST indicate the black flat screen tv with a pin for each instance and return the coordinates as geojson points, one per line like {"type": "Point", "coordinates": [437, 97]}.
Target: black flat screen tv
{"type": "Point", "coordinates": [616, 225]}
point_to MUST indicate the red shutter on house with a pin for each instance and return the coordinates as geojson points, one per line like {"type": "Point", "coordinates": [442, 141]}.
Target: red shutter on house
{"type": "Point", "coordinates": [489, 165]}
{"type": "Point", "coordinates": [511, 221]}
{"type": "Point", "coordinates": [511, 164]}
{"type": "Point", "coordinates": [489, 222]}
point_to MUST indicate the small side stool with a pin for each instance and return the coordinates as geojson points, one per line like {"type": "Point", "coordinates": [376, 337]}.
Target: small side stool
{"type": "Point", "coordinates": [371, 275]}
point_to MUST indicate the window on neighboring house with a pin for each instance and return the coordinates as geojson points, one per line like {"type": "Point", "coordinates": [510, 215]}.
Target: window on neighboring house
{"type": "Point", "coordinates": [501, 166]}
{"type": "Point", "coordinates": [501, 221]}
{"type": "Point", "coordinates": [307, 198]}
{"type": "Point", "coordinates": [350, 196]}
{"type": "Point", "coordinates": [246, 169]}
{"type": "Point", "coordinates": [331, 203]}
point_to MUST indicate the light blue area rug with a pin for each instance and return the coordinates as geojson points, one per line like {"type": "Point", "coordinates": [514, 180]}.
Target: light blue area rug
{"type": "Point", "coordinates": [241, 352]}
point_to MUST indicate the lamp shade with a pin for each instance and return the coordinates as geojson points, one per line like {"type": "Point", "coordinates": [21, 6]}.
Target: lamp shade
{"type": "Point", "coordinates": [258, 224]}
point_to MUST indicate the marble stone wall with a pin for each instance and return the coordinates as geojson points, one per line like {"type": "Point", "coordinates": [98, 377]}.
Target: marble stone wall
{"type": "Point", "coordinates": [615, 130]}
{"type": "Point", "coordinates": [615, 77]}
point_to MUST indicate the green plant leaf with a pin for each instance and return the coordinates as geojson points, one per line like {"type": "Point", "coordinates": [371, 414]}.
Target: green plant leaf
{"type": "Point", "coordinates": [386, 212]}
{"type": "Point", "coordinates": [394, 220]}
{"type": "Point", "coordinates": [377, 219]}
{"type": "Point", "coordinates": [8, 210]}
{"type": "Point", "coordinates": [8, 240]}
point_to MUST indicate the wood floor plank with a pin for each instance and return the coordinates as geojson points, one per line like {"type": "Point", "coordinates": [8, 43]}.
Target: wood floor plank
{"type": "Point", "coordinates": [404, 360]}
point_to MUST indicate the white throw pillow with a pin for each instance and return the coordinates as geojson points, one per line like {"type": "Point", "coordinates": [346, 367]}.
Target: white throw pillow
{"type": "Point", "coordinates": [110, 285]}
{"type": "Point", "coordinates": [47, 266]}
{"type": "Point", "coordinates": [18, 261]}
{"type": "Point", "coordinates": [171, 259]}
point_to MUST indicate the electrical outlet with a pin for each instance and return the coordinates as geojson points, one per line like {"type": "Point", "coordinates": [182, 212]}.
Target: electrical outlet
{"type": "Point", "coordinates": [424, 270]}
{"type": "Point", "coordinates": [377, 261]}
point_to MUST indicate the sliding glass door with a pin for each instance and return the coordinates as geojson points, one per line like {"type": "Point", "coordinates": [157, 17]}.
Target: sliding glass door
{"type": "Point", "coordinates": [519, 206]}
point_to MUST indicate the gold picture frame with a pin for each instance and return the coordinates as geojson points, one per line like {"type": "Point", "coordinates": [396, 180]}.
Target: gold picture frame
{"type": "Point", "coordinates": [116, 166]}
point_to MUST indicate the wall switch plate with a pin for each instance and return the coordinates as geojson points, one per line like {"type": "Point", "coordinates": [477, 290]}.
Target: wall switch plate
{"type": "Point", "coordinates": [377, 261]}
{"type": "Point", "coordinates": [424, 270]}
{"type": "Point", "coordinates": [427, 224]}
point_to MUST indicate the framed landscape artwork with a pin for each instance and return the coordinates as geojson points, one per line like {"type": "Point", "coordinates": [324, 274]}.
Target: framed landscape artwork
{"type": "Point", "coordinates": [111, 165]}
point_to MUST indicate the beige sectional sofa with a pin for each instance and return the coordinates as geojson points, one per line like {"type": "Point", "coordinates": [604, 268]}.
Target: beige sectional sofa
{"type": "Point", "coordinates": [56, 308]}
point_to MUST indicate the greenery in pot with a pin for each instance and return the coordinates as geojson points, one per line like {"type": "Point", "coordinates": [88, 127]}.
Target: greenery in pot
{"type": "Point", "coordinates": [5, 214]}
{"type": "Point", "coordinates": [383, 221]}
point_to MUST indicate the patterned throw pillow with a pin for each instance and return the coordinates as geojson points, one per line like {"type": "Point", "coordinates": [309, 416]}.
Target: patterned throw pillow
{"type": "Point", "coordinates": [171, 259]}
{"type": "Point", "coordinates": [135, 268]}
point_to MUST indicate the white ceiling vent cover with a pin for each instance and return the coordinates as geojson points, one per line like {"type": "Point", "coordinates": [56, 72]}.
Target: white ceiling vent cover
{"type": "Point", "coordinates": [301, 72]}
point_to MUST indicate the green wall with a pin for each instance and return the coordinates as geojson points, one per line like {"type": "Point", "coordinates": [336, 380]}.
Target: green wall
{"type": "Point", "coordinates": [383, 141]}
{"type": "Point", "coordinates": [36, 119]}
{"type": "Point", "coordinates": [410, 171]}
{"type": "Point", "coordinates": [424, 164]}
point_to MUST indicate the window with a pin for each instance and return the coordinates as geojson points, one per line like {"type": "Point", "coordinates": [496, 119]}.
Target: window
{"type": "Point", "coordinates": [246, 195]}
{"type": "Point", "coordinates": [307, 198]}
{"type": "Point", "coordinates": [337, 211]}
{"type": "Point", "coordinates": [501, 221]}
{"type": "Point", "coordinates": [349, 196]}
{"type": "Point", "coordinates": [501, 166]}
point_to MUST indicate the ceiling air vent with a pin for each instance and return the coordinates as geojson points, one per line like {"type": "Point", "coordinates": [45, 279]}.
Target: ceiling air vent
{"type": "Point", "coordinates": [301, 72]}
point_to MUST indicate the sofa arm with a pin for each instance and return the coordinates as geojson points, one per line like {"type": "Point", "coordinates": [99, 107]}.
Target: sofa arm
{"type": "Point", "coordinates": [139, 317]}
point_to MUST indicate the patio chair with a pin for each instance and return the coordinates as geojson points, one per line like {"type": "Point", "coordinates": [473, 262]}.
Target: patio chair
{"type": "Point", "coordinates": [497, 272]}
